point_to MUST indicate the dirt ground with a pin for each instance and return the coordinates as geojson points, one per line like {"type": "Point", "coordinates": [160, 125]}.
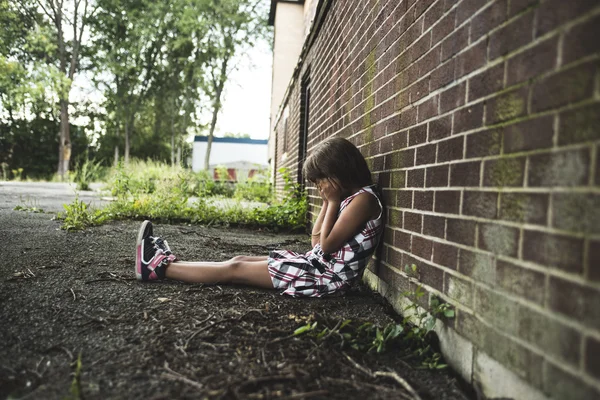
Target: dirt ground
{"type": "Point", "coordinates": [68, 294]}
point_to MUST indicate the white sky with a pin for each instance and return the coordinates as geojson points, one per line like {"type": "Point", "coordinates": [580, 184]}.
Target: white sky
{"type": "Point", "coordinates": [247, 99]}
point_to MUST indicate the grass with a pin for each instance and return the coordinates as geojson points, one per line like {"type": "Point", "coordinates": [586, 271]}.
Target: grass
{"type": "Point", "coordinates": [148, 190]}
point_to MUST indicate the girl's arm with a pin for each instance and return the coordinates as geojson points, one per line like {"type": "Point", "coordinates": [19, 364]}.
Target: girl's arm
{"type": "Point", "coordinates": [337, 231]}
{"type": "Point", "coordinates": [316, 230]}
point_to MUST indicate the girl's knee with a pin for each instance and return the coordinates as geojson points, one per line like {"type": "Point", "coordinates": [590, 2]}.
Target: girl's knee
{"type": "Point", "coordinates": [237, 259]}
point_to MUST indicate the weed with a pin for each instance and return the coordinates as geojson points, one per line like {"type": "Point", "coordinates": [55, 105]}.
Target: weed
{"type": "Point", "coordinates": [28, 209]}
{"type": "Point", "coordinates": [75, 390]}
{"type": "Point", "coordinates": [79, 215]}
{"type": "Point", "coordinates": [86, 173]}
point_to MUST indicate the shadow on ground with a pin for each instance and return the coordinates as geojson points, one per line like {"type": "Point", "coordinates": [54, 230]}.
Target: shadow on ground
{"type": "Point", "coordinates": [70, 294]}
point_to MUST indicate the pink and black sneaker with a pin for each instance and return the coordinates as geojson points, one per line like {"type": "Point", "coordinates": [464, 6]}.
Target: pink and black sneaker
{"type": "Point", "coordinates": [153, 255]}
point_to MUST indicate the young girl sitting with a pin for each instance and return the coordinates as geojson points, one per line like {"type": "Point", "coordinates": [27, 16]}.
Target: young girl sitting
{"type": "Point", "coordinates": [344, 236]}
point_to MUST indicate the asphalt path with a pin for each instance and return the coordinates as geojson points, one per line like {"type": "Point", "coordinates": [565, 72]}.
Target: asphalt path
{"type": "Point", "coordinates": [48, 196]}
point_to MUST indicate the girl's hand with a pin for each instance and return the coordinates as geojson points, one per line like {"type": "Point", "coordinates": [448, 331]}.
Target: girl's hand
{"type": "Point", "coordinates": [330, 190]}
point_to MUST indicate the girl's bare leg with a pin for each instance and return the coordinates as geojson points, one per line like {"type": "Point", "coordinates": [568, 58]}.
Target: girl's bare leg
{"type": "Point", "coordinates": [236, 258]}
{"type": "Point", "coordinates": [252, 272]}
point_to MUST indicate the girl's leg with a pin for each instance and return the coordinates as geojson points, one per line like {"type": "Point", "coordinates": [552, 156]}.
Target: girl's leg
{"type": "Point", "coordinates": [236, 258]}
{"type": "Point", "coordinates": [254, 272]}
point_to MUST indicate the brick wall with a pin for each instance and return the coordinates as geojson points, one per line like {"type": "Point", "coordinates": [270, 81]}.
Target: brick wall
{"type": "Point", "coordinates": [481, 122]}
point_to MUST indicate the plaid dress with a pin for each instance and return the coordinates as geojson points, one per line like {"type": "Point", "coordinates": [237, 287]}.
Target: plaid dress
{"type": "Point", "coordinates": [315, 273]}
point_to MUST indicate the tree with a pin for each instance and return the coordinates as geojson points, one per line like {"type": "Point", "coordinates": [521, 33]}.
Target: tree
{"type": "Point", "coordinates": [67, 16]}
{"type": "Point", "coordinates": [237, 25]}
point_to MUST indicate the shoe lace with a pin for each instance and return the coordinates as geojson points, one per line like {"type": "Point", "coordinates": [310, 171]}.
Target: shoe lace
{"type": "Point", "coordinates": [161, 244]}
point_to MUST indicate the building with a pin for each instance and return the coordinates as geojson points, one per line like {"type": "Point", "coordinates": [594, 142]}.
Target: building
{"type": "Point", "coordinates": [240, 156]}
{"type": "Point", "coordinates": [480, 122]}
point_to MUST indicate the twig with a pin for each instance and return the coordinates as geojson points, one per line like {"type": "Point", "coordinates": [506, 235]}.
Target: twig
{"type": "Point", "coordinates": [392, 375]}
{"type": "Point", "coordinates": [73, 293]}
{"type": "Point", "coordinates": [176, 376]}
{"type": "Point", "coordinates": [108, 279]}
{"type": "Point", "coordinates": [306, 395]}
{"type": "Point", "coordinates": [187, 342]}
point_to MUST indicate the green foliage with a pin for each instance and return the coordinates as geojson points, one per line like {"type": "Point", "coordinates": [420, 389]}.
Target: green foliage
{"type": "Point", "coordinates": [159, 192]}
{"type": "Point", "coordinates": [359, 336]}
{"type": "Point", "coordinates": [79, 215]}
{"type": "Point", "coordinates": [87, 172]}
{"type": "Point", "coordinates": [75, 389]}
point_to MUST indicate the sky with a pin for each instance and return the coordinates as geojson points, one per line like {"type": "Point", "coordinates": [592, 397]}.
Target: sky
{"type": "Point", "coordinates": [247, 101]}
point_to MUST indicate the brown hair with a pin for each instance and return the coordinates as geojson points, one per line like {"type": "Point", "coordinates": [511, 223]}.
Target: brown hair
{"type": "Point", "coordinates": [339, 159]}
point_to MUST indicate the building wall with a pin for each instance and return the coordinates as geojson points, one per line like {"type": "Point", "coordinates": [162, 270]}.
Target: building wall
{"type": "Point", "coordinates": [225, 153]}
{"type": "Point", "coordinates": [481, 122]}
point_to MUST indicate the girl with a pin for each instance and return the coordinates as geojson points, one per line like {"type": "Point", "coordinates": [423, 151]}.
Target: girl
{"type": "Point", "coordinates": [344, 236]}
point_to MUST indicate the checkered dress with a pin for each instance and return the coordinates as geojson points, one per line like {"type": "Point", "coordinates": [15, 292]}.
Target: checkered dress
{"type": "Point", "coordinates": [315, 273]}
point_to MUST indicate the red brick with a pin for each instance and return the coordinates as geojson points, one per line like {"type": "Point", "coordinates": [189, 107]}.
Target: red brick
{"type": "Point", "coordinates": [532, 62]}
{"type": "Point", "coordinates": [559, 251]}
{"type": "Point", "coordinates": [524, 207]}
{"type": "Point", "coordinates": [430, 61]}
{"type": "Point", "coordinates": [437, 176]}
{"type": "Point", "coordinates": [566, 87]}
{"type": "Point", "coordinates": [517, 6]}
{"type": "Point", "coordinates": [594, 261]}
{"type": "Point", "coordinates": [443, 28]}
{"type": "Point", "coordinates": [452, 97]}
{"type": "Point", "coordinates": [553, 13]}
{"type": "Point", "coordinates": [442, 76]}
{"type": "Point", "coordinates": [432, 14]}
{"type": "Point", "coordinates": [404, 198]}
{"type": "Point", "coordinates": [467, 8]}
{"type": "Point", "coordinates": [419, 90]}
{"type": "Point", "coordinates": [412, 222]}
{"type": "Point", "coordinates": [417, 135]}
{"type": "Point", "coordinates": [447, 201]}
{"type": "Point", "coordinates": [580, 125]}
{"type": "Point", "coordinates": [402, 240]}
{"type": "Point", "coordinates": [478, 266]}
{"type": "Point", "coordinates": [576, 212]}
{"type": "Point", "coordinates": [480, 204]}
{"type": "Point", "coordinates": [428, 109]}
{"type": "Point", "coordinates": [499, 239]}
{"type": "Point", "coordinates": [432, 276]}
{"type": "Point", "coordinates": [426, 154]}
{"type": "Point", "coordinates": [488, 19]}
{"type": "Point", "coordinates": [486, 143]}
{"type": "Point", "coordinates": [440, 128]}
{"type": "Point", "coordinates": [415, 177]}
{"type": "Point", "coordinates": [532, 134]}
{"type": "Point", "coordinates": [507, 106]}
{"type": "Point", "coordinates": [419, 48]}
{"type": "Point", "coordinates": [408, 118]}
{"type": "Point", "coordinates": [520, 281]}
{"type": "Point", "coordinates": [504, 172]}
{"type": "Point", "coordinates": [564, 385]}
{"type": "Point", "coordinates": [582, 41]}
{"type": "Point", "coordinates": [575, 301]}
{"type": "Point", "coordinates": [567, 168]}
{"type": "Point", "coordinates": [451, 149]}
{"type": "Point", "coordinates": [455, 42]}
{"type": "Point", "coordinates": [400, 159]}
{"type": "Point", "coordinates": [473, 58]}
{"type": "Point", "coordinates": [460, 231]}
{"type": "Point", "coordinates": [468, 118]}
{"type": "Point", "coordinates": [423, 200]}
{"type": "Point", "coordinates": [421, 247]}
{"type": "Point", "coordinates": [445, 255]}
{"type": "Point", "coordinates": [465, 174]}
{"type": "Point", "coordinates": [434, 226]}
{"type": "Point", "coordinates": [486, 82]}
{"type": "Point", "coordinates": [512, 36]}
{"type": "Point", "coordinates": [592, 361]}
{"type": "Point", "coordinates": [554, 337]}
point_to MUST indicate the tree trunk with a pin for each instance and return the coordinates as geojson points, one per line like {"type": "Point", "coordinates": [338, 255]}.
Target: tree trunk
{"type": "Point", "coordinates": [179, 155]}
{"type": "Point", "coordinates": [127, 133]}
{"type": "Point", "coordinates": [116, 155]}
{"type": "Point", "coordinates": [64, 146]}
{"type": "Point", "coordinates": [213, 124]}
{"type": "Point", "coordinates": [172, 142]}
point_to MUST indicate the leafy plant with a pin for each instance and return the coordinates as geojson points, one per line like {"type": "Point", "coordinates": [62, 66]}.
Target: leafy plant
{"type": "Point", "coordinates": [87, 172]}
{"type": "Point", "coordinates": [79, 215]}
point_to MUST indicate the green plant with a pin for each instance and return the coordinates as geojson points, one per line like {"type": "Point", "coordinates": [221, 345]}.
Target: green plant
{"type": "Point", "coordinates": [28, 209]}
{"type": "Point", "coordinates": [87, 172]}
{"type": "Point", "coordinates": [79, 215]}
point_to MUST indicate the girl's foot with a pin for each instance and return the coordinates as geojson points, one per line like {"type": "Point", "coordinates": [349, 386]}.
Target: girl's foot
{"type": "Point", "coordinates": [153, 255]}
